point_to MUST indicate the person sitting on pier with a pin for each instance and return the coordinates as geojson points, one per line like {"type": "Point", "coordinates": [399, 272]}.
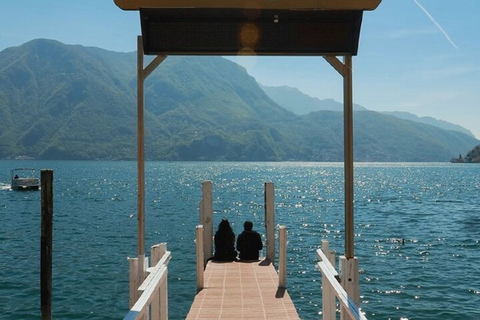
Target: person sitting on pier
{"type": "Point", "coordinates": [249, 242]}
{"type": "Point", "coordinates": [225, 243]}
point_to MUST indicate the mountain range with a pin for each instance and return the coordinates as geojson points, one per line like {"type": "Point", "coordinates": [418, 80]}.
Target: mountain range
{"type": "Point", "coordinates": [62, 101]}
{"type": "Point", "coordinates": [300, 103]}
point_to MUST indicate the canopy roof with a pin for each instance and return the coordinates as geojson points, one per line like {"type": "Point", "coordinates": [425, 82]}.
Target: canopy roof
{"type": "Point", "coordinates": [259, 27]}
{"type": "Point", "coordinates": [251, 4]}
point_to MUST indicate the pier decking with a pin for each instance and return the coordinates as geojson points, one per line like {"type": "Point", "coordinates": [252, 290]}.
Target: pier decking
{"type": "Point", "coordinates": [242, 290]}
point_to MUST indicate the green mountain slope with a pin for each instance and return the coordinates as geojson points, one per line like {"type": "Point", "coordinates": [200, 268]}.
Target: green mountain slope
{"type": "Point", "coordinates": [72, 102]}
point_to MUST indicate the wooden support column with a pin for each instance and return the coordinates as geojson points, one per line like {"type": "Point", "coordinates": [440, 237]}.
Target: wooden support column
{"type": "Point", "coordinates": [142, 74]}
{"type": "Point", "coordinates": [46, 242]}
{"type": "Point", "coordinates": [348, 263]}
{"type": "Point", "coordinates": [348, 145]}
{"type": "Point", "coordinates": [270, 220]}
{"type": "Point", "coordinates": [140, 161]}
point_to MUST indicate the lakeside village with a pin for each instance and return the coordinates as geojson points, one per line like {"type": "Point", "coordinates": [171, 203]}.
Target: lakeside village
{"type": "Point", "coordinates": [473, 156]}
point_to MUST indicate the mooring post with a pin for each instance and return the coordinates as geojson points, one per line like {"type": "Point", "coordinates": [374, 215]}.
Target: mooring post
{"type": "Point", "coordinates": [282, 257]}
{"type": "Point", "coordinates": [206, 219]}
{"type": "Point", "coordinates": [200, 257]}
{"type": "Point", "coordinates": [270, 220]}
{"type": "Point", "coordinates": [46, 241]}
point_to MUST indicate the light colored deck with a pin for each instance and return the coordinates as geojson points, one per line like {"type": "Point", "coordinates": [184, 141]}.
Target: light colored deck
{"type": "Point", "coordinates": [242, 290]}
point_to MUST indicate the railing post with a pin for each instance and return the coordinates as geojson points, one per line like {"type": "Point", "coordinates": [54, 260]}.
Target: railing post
{"type": "Point", "coordinates": [159, 306]}
{"type": "Point", "coordinates": [349, 278]}
{"type": "Point", "coordinates": [133, 283]}
{"type": "Point", "coordinates": [157, 252]}
{"type": "Point", "coordinates": [164, 298]}
{"type": "Point", "coordinates": [270, 220]}
{"type": "Point", "coordinates": [282, 257]}
{"type": "Point", "coordinates": [328, 295]}
{"type": "Point", "coordinates": [206, 219]}
{"type": "Point", "coordinates": [200, 257]}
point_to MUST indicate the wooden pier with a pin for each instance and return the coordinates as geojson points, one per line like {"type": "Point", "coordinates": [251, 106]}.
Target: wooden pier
{"type": "Point", "coordinates": [242, 290]}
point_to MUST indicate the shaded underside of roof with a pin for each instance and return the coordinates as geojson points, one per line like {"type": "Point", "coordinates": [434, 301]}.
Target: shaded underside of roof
{"type": "Point", "coordinates": [233, 31]}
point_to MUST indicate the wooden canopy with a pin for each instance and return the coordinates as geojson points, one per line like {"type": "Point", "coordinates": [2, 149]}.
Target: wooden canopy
{"type": "Point", "coordinates": [259, 27]}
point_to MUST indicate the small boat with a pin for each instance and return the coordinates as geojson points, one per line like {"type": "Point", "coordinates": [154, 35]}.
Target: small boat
{"type": "Point", "coordinates": [24, 179]}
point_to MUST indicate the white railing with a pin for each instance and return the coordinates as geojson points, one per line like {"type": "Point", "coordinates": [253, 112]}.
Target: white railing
{"type": "Point", "coordinates": [153, 301]}
{"type": "Point", "coordinates": [331, 289]}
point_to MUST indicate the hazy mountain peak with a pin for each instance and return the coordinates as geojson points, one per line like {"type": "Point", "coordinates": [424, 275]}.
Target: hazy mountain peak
{"type": "Point", "coordinates": [300, 103]}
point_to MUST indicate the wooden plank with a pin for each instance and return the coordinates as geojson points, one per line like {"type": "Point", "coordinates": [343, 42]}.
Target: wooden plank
{"type": "Point", "coordinates": [242, 290]}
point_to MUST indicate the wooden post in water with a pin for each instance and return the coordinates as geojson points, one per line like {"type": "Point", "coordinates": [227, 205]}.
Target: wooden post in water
{"type": "Point", "coordinates": [46, 242]}
{"type": "Point", "coordinates": [270, 220]}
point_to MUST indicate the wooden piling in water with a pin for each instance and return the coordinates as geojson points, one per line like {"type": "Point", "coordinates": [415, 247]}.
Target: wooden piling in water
{"type": "Point", "coordinates": [46, 240]}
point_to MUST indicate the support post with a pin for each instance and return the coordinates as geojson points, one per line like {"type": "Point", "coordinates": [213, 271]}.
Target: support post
{"type": "Point", "coordinates": [270, 220]}
{"type": "Point", "coordinates": [348, 145]}
{"type": "Point", "coordinates": [206, 219]}
{"type": "Point", "coordinates": [328, 295]}
{"type": "Point", "coordinates": [200, 257]}
{"type": "Point", "coordinates": [46, 242]}
{"type": "Point", "coordinates": [282, 257]}
{"type": "Point", "coordinates": [140, 152]}
{"type": "Point", "coordinates": [349, 278]}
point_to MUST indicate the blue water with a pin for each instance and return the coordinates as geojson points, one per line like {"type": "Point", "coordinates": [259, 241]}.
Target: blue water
{"type": "Point", "coordinates": [435, 274]}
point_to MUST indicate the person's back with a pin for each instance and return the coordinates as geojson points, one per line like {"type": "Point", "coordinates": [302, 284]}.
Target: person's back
{"type": "Point", "coordinates": [225, 243]}
{"type": "Point", "coordinates": [249, 242]}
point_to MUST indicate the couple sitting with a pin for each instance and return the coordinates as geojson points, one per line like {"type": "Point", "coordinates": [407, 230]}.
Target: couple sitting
{"type": "Point", "coordinates": [249, 243]}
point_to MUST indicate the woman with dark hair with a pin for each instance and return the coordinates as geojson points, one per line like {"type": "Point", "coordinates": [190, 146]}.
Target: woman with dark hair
{"type": "Point", "coordinates": [225, 242]}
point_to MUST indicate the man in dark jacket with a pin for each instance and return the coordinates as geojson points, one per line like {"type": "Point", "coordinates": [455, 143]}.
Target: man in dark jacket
{"type": "Point", "coordinates": [249, 242]}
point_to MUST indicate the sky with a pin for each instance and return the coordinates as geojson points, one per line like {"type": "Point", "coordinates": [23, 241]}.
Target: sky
{"type": "Point", "coordinates": [417, 56]}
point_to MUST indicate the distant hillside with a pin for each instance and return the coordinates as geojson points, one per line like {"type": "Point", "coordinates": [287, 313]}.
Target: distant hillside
{"type": "Point", "coordinates": [431, 121]}
{"type": "Point", "coordinates": [300, 103]}
{"type": "Point", "coordinates": [474, 154]}
{"type": "Point", "coordinates": [72, 102]}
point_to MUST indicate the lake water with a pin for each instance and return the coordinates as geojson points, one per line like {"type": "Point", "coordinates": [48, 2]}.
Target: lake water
{"type": "Point", "coordinates": [435, 274]}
